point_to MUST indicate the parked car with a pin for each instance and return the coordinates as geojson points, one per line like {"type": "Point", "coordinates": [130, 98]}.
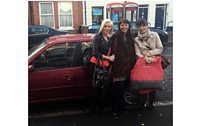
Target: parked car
{"type": "Point", "coordinates": [37, 33]}
{"type": "Point", "coordinates": [162, 34]}
{"type": "Point", "coordinates": [169, 27]}
{"type": "Point", "coordinates": [56, 69]}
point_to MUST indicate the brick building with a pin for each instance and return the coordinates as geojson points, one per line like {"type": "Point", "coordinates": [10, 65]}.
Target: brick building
{"type": "Point", "coordinates": [61, 15]}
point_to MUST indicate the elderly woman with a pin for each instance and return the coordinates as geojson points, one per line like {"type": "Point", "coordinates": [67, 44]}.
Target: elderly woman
{"type": "Point", "coordinates": [147, 45]}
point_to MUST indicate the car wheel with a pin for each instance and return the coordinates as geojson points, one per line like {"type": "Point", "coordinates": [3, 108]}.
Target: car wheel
{"type": "Point", "coordinates": [131, 96]}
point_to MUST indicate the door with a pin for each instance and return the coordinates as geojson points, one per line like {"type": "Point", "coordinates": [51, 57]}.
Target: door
{"type": "Point", "coordinates": [160, 16]}
{"type": "Point", "coordinates": [59, 74]}
{"type": "Point", "coordinates": [143, 12]}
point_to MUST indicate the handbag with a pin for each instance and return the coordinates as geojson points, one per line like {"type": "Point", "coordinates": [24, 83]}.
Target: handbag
{"type": "Point", "coordinates": [147, 75]}
{"type": "Point", "coordinates": [100, 74]}
{"type": "Point", "coordinates": [87, 56]}
{"type": "Point", "coordinates": [101, 70]}
{"type": "Point", "coordinates": [165, 61]}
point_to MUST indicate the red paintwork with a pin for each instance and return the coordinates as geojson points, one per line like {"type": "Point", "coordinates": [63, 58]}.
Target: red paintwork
{"type": "Point", "coordinates": [61, 83]}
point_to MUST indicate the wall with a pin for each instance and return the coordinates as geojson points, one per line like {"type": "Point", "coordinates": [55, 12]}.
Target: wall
{"type": "Point", "coordinates": [151, 8]}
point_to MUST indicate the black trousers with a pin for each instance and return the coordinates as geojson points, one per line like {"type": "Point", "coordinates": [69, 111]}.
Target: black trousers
{"type": "Point", "coordinates": [98, 99]}
{"type": "Point", "coordinates": [100, 95]}
{"type": "Point", "coordinates": [118, 102]}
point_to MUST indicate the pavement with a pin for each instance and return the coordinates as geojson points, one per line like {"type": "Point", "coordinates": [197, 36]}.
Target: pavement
{"type": "Point", "coordinates": [160, 116]}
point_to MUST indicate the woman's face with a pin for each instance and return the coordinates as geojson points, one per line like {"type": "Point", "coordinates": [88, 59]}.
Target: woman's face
{"type": "Point", "coordinates": [142, 28]}
{"type": "Point", "coordinates": [107, 28]}
{"type": "Point", "coordinates": [124, 27]}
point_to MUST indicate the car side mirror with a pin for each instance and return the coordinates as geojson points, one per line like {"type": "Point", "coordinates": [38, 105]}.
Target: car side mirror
{"type": "Point", "coordinates": [30, 68]}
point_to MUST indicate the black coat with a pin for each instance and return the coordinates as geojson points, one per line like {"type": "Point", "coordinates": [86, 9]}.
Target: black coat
{"type": "Point", "coordinates": [101, 46]}
{"type": "Point", "coordinates": [124, 52]}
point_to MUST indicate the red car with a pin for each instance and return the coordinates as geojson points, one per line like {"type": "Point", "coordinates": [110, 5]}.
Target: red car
{"type": "Point", "coordinates": [56, 69]}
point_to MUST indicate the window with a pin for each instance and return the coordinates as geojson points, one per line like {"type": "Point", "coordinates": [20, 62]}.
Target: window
{"type": "Point", "coordinates": [97, 15]}
{"type": "Point", "coordinates": [46, 11]}
{"type": "Point", "coordinates": [59, 56]}
{"type": "Point", "coordinates": [65, 15]}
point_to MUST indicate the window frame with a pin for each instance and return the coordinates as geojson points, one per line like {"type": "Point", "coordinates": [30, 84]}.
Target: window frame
{"type": "Point", "coordinates": [40, 14]}
{"type": "Point", "coordinates": [101, 7]}
{"type": "Point", "coordinates": [59, 14]}
{"type": "Point", "coordinates": [144, 6]}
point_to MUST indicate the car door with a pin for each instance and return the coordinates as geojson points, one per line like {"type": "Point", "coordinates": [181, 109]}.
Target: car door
{"type": "Point", "coordinates": [58, 74]}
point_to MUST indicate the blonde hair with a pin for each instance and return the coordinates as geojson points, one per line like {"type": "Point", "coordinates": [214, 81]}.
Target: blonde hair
{"type": "Point", "coordinates": [103, 23]}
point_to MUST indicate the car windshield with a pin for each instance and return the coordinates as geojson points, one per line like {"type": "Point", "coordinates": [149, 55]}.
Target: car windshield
{"type": "Point", "coordinates": [36, 48]}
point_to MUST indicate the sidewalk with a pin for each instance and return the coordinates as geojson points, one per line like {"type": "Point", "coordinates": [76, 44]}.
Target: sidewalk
{"type": "Point", "coordinates": [160, 116]}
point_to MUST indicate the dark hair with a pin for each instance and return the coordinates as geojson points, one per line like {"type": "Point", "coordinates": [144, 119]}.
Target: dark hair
{"type": "Point", "coordinates": [126, 21]}
{"type": "Point", "coordinates": [141, 22]}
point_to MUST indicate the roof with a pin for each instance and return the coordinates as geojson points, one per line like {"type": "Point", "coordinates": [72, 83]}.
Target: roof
{"type": "Point", "coordinates": [70, 38]}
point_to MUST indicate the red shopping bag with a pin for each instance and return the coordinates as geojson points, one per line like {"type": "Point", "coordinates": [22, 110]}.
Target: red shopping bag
{"type": "Point", "coordinates": [147, 75]}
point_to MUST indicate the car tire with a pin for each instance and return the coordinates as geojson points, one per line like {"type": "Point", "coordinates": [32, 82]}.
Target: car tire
{"type": "Point", "coordinates": [131, 96]}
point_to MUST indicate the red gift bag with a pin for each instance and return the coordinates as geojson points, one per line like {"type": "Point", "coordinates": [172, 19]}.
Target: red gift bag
{"type": "Point", "coordinates": [147, 75]}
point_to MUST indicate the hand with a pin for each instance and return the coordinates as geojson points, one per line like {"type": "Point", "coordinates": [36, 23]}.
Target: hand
{"type": "Point", "coordinates": [154, 59]}
{"type": "Point", "coordinates": [146, 53]}
{"type": "Point", "coordinates": [112, 58]}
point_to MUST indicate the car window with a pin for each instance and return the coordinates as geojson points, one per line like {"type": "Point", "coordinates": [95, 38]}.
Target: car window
{"type": "Point", "coordinates": [59, 56]}
{"type": "Point", "coordinates": [86, 45]}
{"type": "Point", "coordinates": [36, 48]}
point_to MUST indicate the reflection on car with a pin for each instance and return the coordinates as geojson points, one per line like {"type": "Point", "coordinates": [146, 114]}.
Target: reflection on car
{"type": "Point", "coordinates": [37, 33]}
{"type": "Point", "coordinates": [56, 69]}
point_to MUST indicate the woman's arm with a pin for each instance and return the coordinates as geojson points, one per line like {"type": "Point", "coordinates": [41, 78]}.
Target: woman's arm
{"type": "Point", "coordinates": [159, 46]}
{"type": "Point", "coordinates": [110, 58]}
{"type": "Point", "coordinates": [137, 49]}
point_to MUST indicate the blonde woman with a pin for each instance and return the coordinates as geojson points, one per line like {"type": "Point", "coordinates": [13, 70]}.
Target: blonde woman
{"type": "Point", "coordinates": [102, 44]}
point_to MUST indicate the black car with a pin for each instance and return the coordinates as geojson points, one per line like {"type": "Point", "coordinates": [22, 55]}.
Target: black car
{"type": "Point", "coordinates": [37, 33]}
{"type": "Point", "coordinates": [162, 34]}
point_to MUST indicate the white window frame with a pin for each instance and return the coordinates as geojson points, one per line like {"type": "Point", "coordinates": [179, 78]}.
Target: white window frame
{"type": "Point", "coordinates": [52, 4]}
{"type": "Point", "coordinates": [59, 14]}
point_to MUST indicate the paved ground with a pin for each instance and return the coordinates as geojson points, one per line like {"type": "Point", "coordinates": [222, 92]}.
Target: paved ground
{"type": "Point", "coordinates": [160, 116]}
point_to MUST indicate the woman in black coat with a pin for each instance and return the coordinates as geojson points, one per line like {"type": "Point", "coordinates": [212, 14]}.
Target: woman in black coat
{"type": "Point", "coordinates": [124, 51]}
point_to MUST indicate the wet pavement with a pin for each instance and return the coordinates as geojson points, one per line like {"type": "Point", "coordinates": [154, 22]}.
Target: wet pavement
{"type": "Point", "coordinates": [160, 116]}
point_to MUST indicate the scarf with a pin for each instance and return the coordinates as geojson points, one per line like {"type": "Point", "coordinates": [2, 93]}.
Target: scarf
{"type": "Point", "coordinates": [145, 36]}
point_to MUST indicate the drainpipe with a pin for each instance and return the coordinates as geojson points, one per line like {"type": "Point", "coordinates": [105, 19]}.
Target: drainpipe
{"type": "Point", "coordinates": [31, 12]}
{"type": "Point", "coordinates": [85, 13]}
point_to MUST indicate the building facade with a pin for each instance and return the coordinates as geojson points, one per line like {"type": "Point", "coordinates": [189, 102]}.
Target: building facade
{"type": "Point", "coordinates": [157, 12]}
{"type": "Point", "coordinates": [69, 15]}
{"type": "Point", "coordinates": [62, 15]}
